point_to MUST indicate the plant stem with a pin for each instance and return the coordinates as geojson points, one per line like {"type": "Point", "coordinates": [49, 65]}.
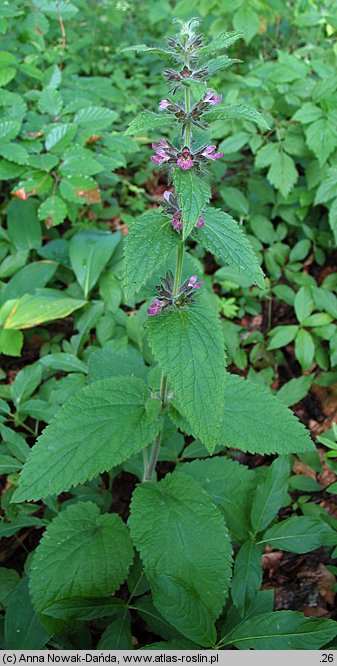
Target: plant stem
{"type": "Point", "coordinates": [151, 465]}
{"type": "Point", "coordinates": [179, 269]}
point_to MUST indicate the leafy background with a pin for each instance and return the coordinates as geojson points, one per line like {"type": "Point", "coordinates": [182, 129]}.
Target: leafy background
{"type": "Point", "coordinates": [70, 175]}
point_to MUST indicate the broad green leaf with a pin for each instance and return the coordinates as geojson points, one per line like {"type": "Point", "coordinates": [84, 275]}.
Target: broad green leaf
{"type": "Point", "coordinates": [282, 630]}
{"type": "Point", "coordinates": [6, 75]}
{"type": "Point", "coordinates": [60, 137]}
{"type": "Point", "coordinates": [50, 101]}
{"type": "Point", "coordinates": [117, 634]}
{"type": "Point", "coordinates": [282, 336]}
{"type": "Point", "coordinates": [149, 120]}
{"type": "Point", "coordinates": [325, 300]}
{"type": "Point", "coordinates": [308, 113]}
{"type": "Point", "coordinates": [322, 139]}
{"type": "Point", "coordinates": [28, 279]}
{"type": "Point", "coordinates": [168, 524]}
{"type": "Point", "coordinates": [328, 188]}
{"type": "Point", "coordinates": [90, 553]}
{"type": "Point", "coordinates": [270, 494]}
{"type": "Point", "coordinates": [194, 194]}
{"type": "Point", "coordinates": [11, 342]}
{"type": "Point", "coordinates": [9, 129]}
{"type": "Point", "coordinates": [53, 210]}
{"type": "Point", "coordinates": [25, 383]}
{"type": "Point", "coordinates": [84, 608]}
{"type": "Point", "coordinates": [222, 236]}
{"type": "Point", "coordinates": [28, 235]}
{"type": "Point", "coordinates": [108, 425]}
{"type": "Point", "coordinates": [96, 117]}
{"type": "Point", "coordinates": [9, 580]}
{"type": "Point", "coordinates": [283, 173]}
{"type": "Point", "coordinates": [14, 152]}
{"type": "Point", "coordinates": [294, 390]}
{"type": "Point", "coordinates": [298, 534]}
{"type": "Point", "coordinates": [304, 303]}
{"type": "Point", "coordinates": [105, 363]}
{"type": "Point", "coordinates": [34, 309]}
{"type": "Point", "coordinates": [23, 630]}
{"type": "Point", "coordinates": [221, 62]}
{"type": "Point", "coordinates": [247, 575]}
{"type": "Point", "coordinates": [333, 219]}
{"type": "Point", "coordinates": [9, 529]}
{"type": "Point", "coordinates": [304, 348]}
{"type": "Point", "coordinates": [235, 111]}
{"type": "Point", "coordinates": [150, 241]}
{"type": "Point", "coordinates": [188, 345]}
{"type": "Point", "coordinates": [254, 420]}
{"type": "Point", "coordinates": [64, 362]}
{"type": "Point", "coordinates": [246, 21]}
{"type": "Point", "coordinates": [230, 487]}
{"type": "Point", "coordinates": [142, 48]}
{"type": "Point", "coordinates": [89, 253]}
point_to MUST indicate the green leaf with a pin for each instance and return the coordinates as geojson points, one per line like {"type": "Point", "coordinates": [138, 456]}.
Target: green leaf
{"type": "Point", "coordinates": [9, 580]}
{"type": "Point", "coordinates": [64, 362]}
{"type": "Point", "coordinates": [105, 363]}
{"type": "Point", "coordinates": [283, 173]}
{"type": "Point", "coordinates": [282, 336]}
{"type": "Point", "coordinates": [308, 113]}
{"type": "Point", "coordinates": [34, 309]}
{"type": "Point", "coordinates": [223, 41]}
{"type": "Point", "coordinates": [23, 630]}
{"type": "Point", "coordinates": [150, 241]}
{"type": "Point", "coordinates": [118, 634]}
{"type": "Point", "coordinates": [89, 253]}
{"type": "Point", "coordinates": [25, 383]}
{"type": "Point", "coordinates": [247, 575]}
{"type": "Point", "coordinates": [304, 303]}
{"type": "Point", "coordinates": [246, 21]}
{"type": "Point", "coordinates": [54, 210]}
{"type": "Point", "coordinates": [322, 139]}
{"type": "Point", "coordinates": [11, 342]}
{"type": "Point", "coordinates": [235, 111]}
{"type": "Point", "coordinates": [97, 429]}
{"type": "Point", "coordinates": [6, 75]}
{"type": "Point", "coordinates": [194, 194]}
{"type": "Point", "coordinates": [327, 189]}
{"type": "Point", "coordinates": [295, 390]}
{"type": "Point", "coordinates": [50, 101]}
{"type": "Point", "coordinates": [60, 137]}
{"type": "Point", "coordinates": [188, 345]}
{"type": "Point", "coordinates": [90, 553]}
{"type": "Point", "coordinates": [149, 120]}
{"type": "Point", "coordinates": [298, 534]}
{"type": "Point", "coordinates": [230, 487]}
{"type": "Point", "coordinates": [270, 494]}
{"type": "Point", "coordinates": [84, 608]}
{"type": "Point", "coordinates": [95, 117]}
{"type": "Point", "coordinates": [282, 630]}
{"type": "Point", "coordinates": [14, 152]}
{"type": "Point", "coordinates": [28, 279]}
{"type": "Point", "coordinates": [9, 129]}
{"type": "Point", "coordinates": [304, 349]}
{"type": "Point", "coordinates": [25, 236]}
{"type": "Point", "coordinates": [222, 236]}
{"type": "Point", "coordinates": [168, 524]}
{"type": "Point", "coordinates": [254, 420]}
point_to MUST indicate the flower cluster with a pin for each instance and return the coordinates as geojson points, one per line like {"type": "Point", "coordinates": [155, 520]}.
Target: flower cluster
{"type": "Point", "coordinates": [185, 159]}
{"type": "Point", "coordinates": [172, 208]}
{"type": "Point", "coordinates": [167, 297]}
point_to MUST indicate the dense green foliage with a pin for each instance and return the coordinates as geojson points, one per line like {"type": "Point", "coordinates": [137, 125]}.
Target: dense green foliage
{"type": "Point", "coordinates": [84, 242]}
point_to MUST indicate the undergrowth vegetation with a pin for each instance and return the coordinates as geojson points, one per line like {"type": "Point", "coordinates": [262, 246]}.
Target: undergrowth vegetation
{"type": "Point", "coordinates": [155, 229]}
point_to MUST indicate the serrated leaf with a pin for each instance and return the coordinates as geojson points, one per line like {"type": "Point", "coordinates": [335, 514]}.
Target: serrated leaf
{"type": "Point", "coordinates": [282, 630]}
{"type": "Point", "coordinates": [194, 194]}
{"type": "Point", "coordinates": [149, 120]}
{"type": "Point", "coordinates": [223, 41]}
{"type": "Point", "coordinates": [60, 137]}
{"type": "Point", "coordinates": [283, 173]}
{"type": "Point", "coordinates": [14, 152]}
{"type": "Point", "coordinates": [188, 345]}
{"type": "Point", "coordinates": [254, 420]}
{"type": "Point", "coordinates": [298, 534]}
{"type": "Point", "coordinates": [222, 236]}
{"type": "Point", "coordinates": [108, 425]}
{"type": "Point", "coordinates": [167, 522]}
{"type": "Point", "coordinates": [150, 241]}
{"type": "Point", "coordinates": [90, 553]}
{"type": "Point", "coordinates": [54, 210]}
{"type": "Point", "coordinates": [97, 116]}
{"type": "Point", "coordinates": [247, 575]}
{"type": "Point", "coordinates": [230, 486]}
{"type": "Point", "coordinates": [221, 62]}
{"type": "Point", "coordinates": [322, 139]}
{"type": "Point", "coordinates": [270, 494]}
{"type": "Point", "coordinates": [235, 111]}
{"type": "Point", "coordinates": [142, 48]}
{"type": "Point", "coordinates": [308, 113]}
{"type": "Point", "coordinates": [9, 129]}
{"type": "Point", "coordinates": [50, 101]}
{"type": "Point", "coordinates": [105, 363]}
{"type": "Point", "coordinates": [327, 189]}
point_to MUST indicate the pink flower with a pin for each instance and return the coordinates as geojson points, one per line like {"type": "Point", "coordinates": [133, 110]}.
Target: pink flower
{"type": "Point", "coordinates": [185, 160]}
{"type": "Point", "coordinates": [160, 156]}
{"type": "Point", "coordinates": [177, 222]}
{"type": "Point", "coordinates": [155, 307]}
{"type": "Point", "coordinates": [193, 282]}
{"type": "Point", "coordinates": [166, 195]}
{"type": "Point", "coordinates": [211, 99]}
{"type": "Point", "coordinates": [209, 153]}
{"type": "Point", "coordinates": [200, 223]}
{"type": "Point", "coordinates": [164, 103]}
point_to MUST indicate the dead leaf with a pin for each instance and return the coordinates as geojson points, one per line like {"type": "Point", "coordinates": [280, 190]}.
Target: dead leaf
{"type": "Point", "coordinates": [91, 196]}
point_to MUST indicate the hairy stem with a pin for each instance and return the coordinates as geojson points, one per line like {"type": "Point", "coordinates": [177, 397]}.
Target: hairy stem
{"type": "Point", "coordinates": [150, 466]}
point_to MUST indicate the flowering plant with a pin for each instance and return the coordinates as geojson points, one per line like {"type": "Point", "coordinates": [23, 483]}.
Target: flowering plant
{"type": "Point", "coordinates": [127, 410]}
